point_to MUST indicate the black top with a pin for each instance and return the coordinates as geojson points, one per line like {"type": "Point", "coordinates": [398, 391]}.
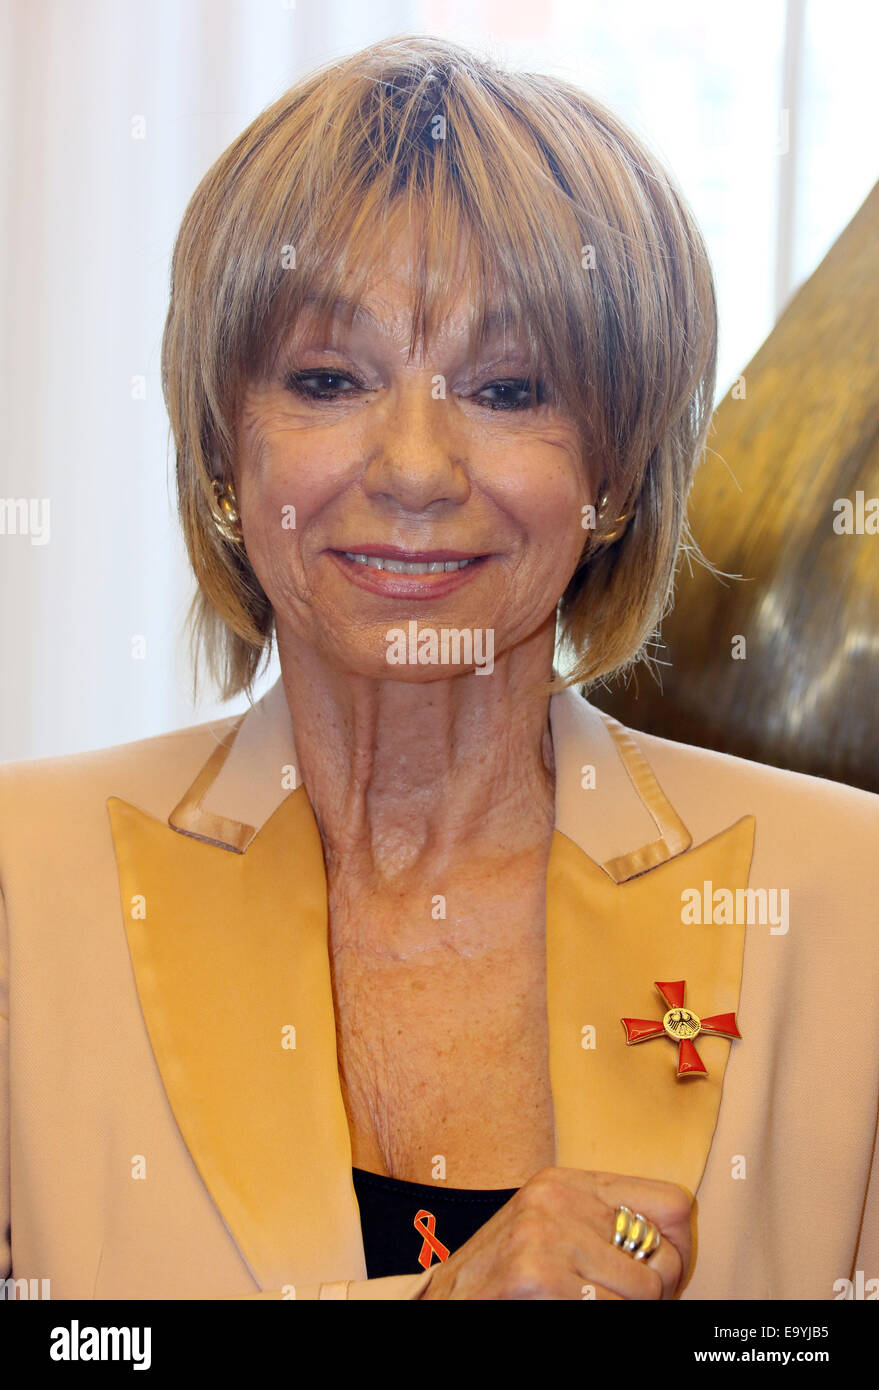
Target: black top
{"type": "Point", "coordinates": [409, 1226]}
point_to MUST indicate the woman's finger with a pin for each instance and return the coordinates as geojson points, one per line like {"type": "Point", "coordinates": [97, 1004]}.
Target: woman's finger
{"type": "Point", "coordinates": [668, 1206]}
{"type": "Point", "coordinates": [601, 1263]}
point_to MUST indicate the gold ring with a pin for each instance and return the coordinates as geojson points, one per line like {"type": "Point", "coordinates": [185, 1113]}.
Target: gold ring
{"type": "Point", "coordinates": [649, 1244]}
{"type": "Point", "coordinates": [634, 1234]}
{"type": "Point", "coordinates": [623, 1219]}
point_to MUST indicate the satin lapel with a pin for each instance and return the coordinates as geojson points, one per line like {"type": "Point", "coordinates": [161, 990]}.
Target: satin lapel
{"type": "Point", "coordinates": [229, 951]}
{"type": "Point", "coordinates": [622, 1108]}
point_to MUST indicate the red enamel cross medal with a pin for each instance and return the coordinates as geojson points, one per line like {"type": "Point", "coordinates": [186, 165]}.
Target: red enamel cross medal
{"type": "Point", "coordinates": [682, 1026]}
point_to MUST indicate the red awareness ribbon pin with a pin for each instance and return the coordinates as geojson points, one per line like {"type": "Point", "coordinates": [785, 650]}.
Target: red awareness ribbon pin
{"type": "Point", "coordinates": [425, 1225]}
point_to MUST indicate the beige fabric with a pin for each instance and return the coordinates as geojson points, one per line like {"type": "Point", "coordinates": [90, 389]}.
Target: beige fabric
{"type": "Point", "coordinates": [790, 1139]}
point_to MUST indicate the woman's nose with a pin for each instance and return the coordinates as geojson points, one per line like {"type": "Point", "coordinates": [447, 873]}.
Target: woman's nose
{"type": "Point", "coordinates": [417, 451]}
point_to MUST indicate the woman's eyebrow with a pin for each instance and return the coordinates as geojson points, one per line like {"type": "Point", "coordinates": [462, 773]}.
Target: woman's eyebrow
{"type": "Point", "coordinates": [342, 308]}
{"type": "Point", "coordinates": [497, 318]}
{"type": "Point", "coordinates": [500, 333]}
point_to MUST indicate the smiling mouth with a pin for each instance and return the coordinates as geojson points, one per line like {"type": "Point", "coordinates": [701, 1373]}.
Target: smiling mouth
{"type": "Point", "coordinates": [394, 566]}
{"type": "Point", "coordinates": [395, 573]}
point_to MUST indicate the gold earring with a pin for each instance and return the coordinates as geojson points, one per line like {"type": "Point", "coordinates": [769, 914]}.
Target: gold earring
{"type": "Point", "coordinates": [606, 537]}
{"type": "Point", "coordinates": [226, 518]}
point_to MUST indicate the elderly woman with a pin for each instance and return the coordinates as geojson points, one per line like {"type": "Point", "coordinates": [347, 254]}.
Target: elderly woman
{"type": "Point", "coordinates": [425, 979]}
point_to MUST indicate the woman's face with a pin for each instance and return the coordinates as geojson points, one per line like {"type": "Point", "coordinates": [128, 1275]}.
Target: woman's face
{"type": "Point", "coordinates": [352, 451]}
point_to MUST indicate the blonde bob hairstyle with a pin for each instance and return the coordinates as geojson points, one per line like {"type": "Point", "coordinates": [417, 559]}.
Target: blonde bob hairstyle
{"type": "Point", "coordinates": [569, 228]}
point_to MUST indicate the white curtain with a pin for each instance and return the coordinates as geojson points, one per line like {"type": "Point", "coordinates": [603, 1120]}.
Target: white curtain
{"type": "Point", "coordinates": [112, 111]}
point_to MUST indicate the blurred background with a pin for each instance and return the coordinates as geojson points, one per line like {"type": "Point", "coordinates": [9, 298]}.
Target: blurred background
{"type": "Point", "coordinates": [113, 110]}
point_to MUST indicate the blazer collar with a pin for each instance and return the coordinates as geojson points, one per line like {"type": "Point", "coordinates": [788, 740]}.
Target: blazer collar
{"type": "Point", "coordinates": [225, 911]}
{"type": "Point", "coordinates": [635, 826]}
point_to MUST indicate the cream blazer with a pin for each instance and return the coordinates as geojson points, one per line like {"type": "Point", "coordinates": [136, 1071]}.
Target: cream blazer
{"type": "Point", "coordinates": [173, 1124]}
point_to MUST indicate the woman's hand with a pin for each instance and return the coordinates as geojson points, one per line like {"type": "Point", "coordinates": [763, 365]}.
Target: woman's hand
{"type": "Point", "coordinates": [553, 1239]}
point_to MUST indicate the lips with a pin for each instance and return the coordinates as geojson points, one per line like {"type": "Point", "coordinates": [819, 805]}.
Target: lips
{"type": "Point", "coordinates": [408, 566]}
{"type": "Point", "coordinates": [397, 573]}
{"type": "Point", "coordinates": [398, 552]}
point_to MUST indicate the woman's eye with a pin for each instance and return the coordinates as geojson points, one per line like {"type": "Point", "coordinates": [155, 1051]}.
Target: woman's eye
{"type": "Point", "coordinates": [515, 395]}
{"type": "Point", "coordinates": [329, 386]}
{"type": "Point", "coordinates": [322, 385]}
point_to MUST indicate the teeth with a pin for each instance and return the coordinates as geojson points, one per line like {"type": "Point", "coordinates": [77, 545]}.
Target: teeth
{"type": "Point", "coordinates": [405, 567]}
